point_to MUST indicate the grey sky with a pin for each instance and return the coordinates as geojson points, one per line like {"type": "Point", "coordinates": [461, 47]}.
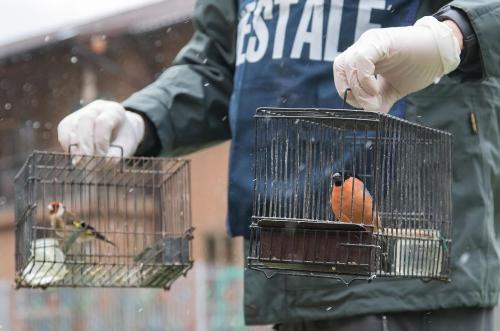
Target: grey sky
{"type": "Point", "coordinates": [21, 19]}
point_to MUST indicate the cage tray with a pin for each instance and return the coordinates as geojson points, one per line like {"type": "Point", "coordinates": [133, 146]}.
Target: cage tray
{"type": "Point", "coordinates": [95, 275]}
{"type": "Point", "coordinates": [314, 247]}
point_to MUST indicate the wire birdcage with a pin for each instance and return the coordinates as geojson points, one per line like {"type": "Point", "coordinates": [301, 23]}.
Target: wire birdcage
{"type": "Point", "coordinates": [350, 194]}
{"type": "Point", "coordinates": [102, 221]}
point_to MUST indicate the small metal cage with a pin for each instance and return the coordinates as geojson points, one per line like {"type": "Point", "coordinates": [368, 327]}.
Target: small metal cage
{"type": "Point", "coordinates": [126, 222]}
{"type": "Point", "coordinates": [350, 194]}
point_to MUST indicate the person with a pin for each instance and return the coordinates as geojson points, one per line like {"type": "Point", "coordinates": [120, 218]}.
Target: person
{"type": "Point", "coordinates": [435, 62]}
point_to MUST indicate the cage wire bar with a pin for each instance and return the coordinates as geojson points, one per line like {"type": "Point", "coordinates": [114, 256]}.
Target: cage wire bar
{"type": "Point", "coordinates": [141, 205]}
{"type": "Point", "coordinates": [348, 193]}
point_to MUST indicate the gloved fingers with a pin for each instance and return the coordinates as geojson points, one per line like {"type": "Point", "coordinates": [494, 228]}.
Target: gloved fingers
{"type": "Point", "coordinates": [85, 129]}
{"type": "Point", "coordinates": [114, 153]}
{"type": "Point", "coordinates": [365, 75]}
{"type": "Point", "coordinates": [362, 82]}
{"type": "Point", "coordinates": [341, 81]}
{"type": "Point", "coordinates": [105, 123]}
{"type": "Point", "coordinates": [359, 63]}
{"type": "Point", "coordinates": [124, 142]}
{"type": "Point", "coordinates": [366, 102]}
{"type": "Point", "coordinates": [74, 150]}
{"type": "Point", "coordinates": [64, 130]}
{"type": "Point", "coordinates": [388, 93]}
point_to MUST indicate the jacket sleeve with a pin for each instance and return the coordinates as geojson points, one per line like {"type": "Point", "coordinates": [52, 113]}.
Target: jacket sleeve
{"type": "Point", "coordinates": [484, 16]}
{"type": "Point", "coordinates": [188, 104]}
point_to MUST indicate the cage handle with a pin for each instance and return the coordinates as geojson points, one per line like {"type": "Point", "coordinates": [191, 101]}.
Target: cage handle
{"type": "Point", "coordinates": [344, 101]}
{"type": "Point", "coordinates": [345, 97]}
{"type": "Point", "coordinates": [71, 146]}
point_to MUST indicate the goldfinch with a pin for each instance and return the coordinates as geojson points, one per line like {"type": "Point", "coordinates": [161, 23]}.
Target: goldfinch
{"type": "Point", "coordinates": [66, 225]}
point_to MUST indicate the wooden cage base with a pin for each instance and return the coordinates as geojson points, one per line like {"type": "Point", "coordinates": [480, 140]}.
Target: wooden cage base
{"type": "Point", "coordinates": [330, 248]}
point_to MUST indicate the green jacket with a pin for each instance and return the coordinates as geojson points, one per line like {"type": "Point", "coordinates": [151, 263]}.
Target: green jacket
{"type": "Point", "coordinates": [187, 112]}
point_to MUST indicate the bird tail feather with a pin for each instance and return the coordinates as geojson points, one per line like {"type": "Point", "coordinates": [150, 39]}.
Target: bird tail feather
{"type": "Point", "coordinates": [103, 238]}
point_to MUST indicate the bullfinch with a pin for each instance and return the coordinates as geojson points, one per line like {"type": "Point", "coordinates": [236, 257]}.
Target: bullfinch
{"type": "Point", "coordinates": [351, 202]}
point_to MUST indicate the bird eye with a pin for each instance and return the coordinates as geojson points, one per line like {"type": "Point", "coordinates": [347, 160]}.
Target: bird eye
{"type": "Point", "coordinates": [82, 224]}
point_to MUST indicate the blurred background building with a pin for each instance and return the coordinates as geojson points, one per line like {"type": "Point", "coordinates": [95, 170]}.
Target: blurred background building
{"type": "Point", "coordinates": [46, 74]}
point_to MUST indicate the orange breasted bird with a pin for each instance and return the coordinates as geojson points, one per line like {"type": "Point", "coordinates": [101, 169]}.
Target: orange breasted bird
{"type": "Point", "coordinates": [351, 202]}
{"type": "Point", "coordinates": [65, 225]}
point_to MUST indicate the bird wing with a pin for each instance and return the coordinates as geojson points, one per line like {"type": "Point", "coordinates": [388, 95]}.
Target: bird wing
{"type": "Point", "coordinates": [84, 227]}
{"type": "Point", "coordinates": [371, 215]}
{"type": "Point", "coordinates": [69, 217]}
{"type": "Point", "coordinates": [91, 231]}
{"type": "Point", "coordinates": [90, 227]}
{"type": "Point", "coordinates": [71, 240]}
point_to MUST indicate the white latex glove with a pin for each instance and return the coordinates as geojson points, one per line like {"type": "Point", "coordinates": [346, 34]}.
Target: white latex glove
{"type": "Point", "coordinates": [404, 60]}
{"type": "Point", "coordinates": [97, 126]}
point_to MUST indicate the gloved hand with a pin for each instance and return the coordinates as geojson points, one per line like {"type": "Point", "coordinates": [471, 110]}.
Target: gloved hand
{"type": "Point", "coordinates": [97, 126]}
{"type": "Point", "coordinates": [404, 60]}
